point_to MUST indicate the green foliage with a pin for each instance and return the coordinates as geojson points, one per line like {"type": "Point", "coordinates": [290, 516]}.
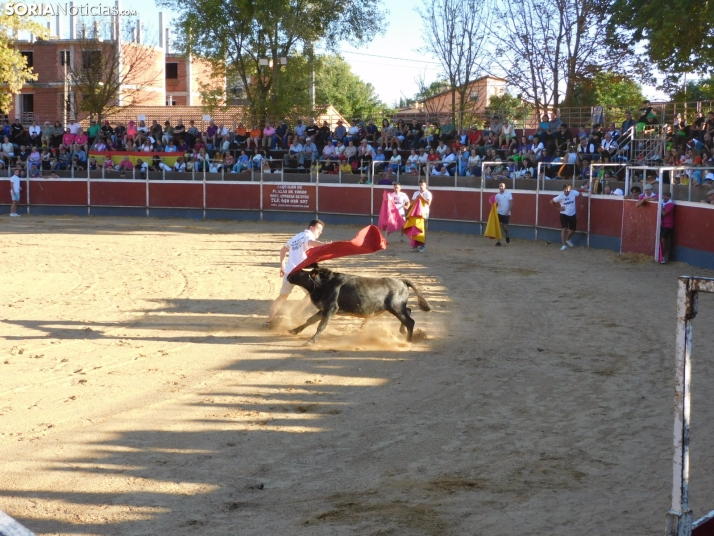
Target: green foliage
{"type": "Point", "coordinates": [507, 107]}
{"type": "Point", "coordinates": [239, 33]}
{"type": "Point", "coordinates": [677, 34]}
{"type": "Point", "coordinates": [336, 84]}
{"type": "Point", "coordinates": [14, 71]}
{"type": "Point", "coordinates": [701, 90]}
{"type": "Point", "coordinates": [608, 89]}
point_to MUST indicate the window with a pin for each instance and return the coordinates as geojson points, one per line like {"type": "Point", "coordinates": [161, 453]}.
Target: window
{"type": "Point", "coordinates": [91, 58]}
{"type": "Point", "coordinates": [28, 57]}
{"type": "Point", "coordinates": [28, 103]}
{"type": "Point", "coordinates": [172, 70]}
{"type": "Point", "coordinates": [65, 58]}
{"type": "Point", "coordinates": [473, 96]}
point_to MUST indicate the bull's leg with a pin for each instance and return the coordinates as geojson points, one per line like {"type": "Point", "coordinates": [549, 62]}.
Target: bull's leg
{"type": "Point", "coordinates": [310, 321]}
{"type": "Point", "coordinates": [406, 320]}
{"type": "Point", "coordinates": [323, 323]}
{"type": "Point", "coordinates": [403, 328]}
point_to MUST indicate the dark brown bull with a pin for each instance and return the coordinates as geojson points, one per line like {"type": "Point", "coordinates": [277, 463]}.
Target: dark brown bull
{"type": "Point", "coordinates": [364, 297]}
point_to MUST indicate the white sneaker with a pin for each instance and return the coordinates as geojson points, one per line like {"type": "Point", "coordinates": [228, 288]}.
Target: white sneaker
{"type": "Point", "coordinates": [15, 215]}
{"type": "Point", "coordinates": [564, 248]}
{"type": "Point", "coordinates": [570, 243]}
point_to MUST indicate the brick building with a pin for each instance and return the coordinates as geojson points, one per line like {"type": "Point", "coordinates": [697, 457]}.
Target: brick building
{"type": "Point", "coordinates": [165, 78]}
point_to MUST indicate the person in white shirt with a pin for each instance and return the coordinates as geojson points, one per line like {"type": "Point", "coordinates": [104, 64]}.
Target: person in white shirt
{"type": "Point", "coordinates": [395, 162]}
{"type": "Point", "coordinates": [505, 206]}
{"type": "Point", "coordinates": [538, 148]}
{"type": "Point", "coordinates": [565, 202]}
{"type": "Point", "coordinates": [291, 255]}
{"type": "Point", "coordinates": [73, 126]}
{"type": "Point", "coordinates": [400, 199]}
{"type": "Point", "coordinates": [441, 149]}
{"type": "Point", "coordinates": [15, 192]}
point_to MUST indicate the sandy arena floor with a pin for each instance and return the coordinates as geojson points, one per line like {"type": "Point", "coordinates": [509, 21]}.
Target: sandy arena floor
{"type": "Point", "coordinates": [140, 396]}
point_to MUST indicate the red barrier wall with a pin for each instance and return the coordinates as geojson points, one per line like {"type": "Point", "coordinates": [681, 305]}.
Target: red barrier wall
{"type": "Point", "coordinates": [694, 227]}
{"type": "Point", "coordinates": [5, 198]}
{"type": "Point", "coordinates": [460, 205]}
{"type": "Point", "coordinates": [639, 227]}
{"type": "Point", "coordinates": [287, 196]}
{"type": "Point", "coordinates": [62, 192]}
{"type": "Point", "coordinates": [117, 194]}
{"type": "Point", "coordinates": [176, 195]}
{"type": "Point", "coordinates": [237, 196]}
{"type": "Point", "coordinates": [607, 216]}
{"type": "Point", "coordinates": [525, 209]}
{"type": "Point", "coordinates": [348, 200]}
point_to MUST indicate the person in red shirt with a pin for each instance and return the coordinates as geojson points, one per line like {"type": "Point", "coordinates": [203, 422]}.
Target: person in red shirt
{"type": "Point", "coordinates": [68, 139]}
{"type": "Point", "coordinates": [81, 141]}
{"type": "Point", "coordinates": [666, 226]}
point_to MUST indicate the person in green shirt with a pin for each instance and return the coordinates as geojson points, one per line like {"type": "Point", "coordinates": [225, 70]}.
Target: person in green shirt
{"type": "Point", "coordinates": [92, 131]}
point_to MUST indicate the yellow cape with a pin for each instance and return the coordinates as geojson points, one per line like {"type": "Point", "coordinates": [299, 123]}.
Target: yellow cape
{"type": "Point", "coordinates": [493, 227]}
{"type": "Point", "coordinates": [418, 224]}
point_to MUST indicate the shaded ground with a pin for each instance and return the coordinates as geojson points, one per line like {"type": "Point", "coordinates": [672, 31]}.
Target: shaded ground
{"type": "Point", "coordinates": [139, 395]}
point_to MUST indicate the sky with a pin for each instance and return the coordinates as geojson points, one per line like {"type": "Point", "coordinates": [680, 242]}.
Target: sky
{"type": "Point", "coordinates": [391, 62]}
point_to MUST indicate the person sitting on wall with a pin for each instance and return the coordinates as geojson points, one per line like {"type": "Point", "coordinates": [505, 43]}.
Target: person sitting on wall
{"type": "Point", "coordinates": [268, 135]}
{"type": "Point", "coordinates": [180, 164]}
{"type": "Point", "coordinates": [158, 165]}
{"type": "Point", "coordinates": [192, 133]}
{"type": "Point", "coordinates": [243, 163]}
{"type": "Point", "coordinates": [125, 165]}
{"type": "Point", "coordinates": [325, 135]}
{"type": "Point", "coordinates": [309, 152]}
{"type": "Point", "coordinates": [280, 136]}
{"type": "Point", "coordinates": [340, 133]}
{"type": "Point", "coordinates": [293, 154]}
{"type": "Point", "coordinates": [254, 137]}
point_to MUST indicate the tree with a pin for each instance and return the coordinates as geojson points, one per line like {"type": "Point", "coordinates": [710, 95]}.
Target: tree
{"type": "Point", "coordinates": [676, 34]}
{"type": "Point", "coordinates": [608, 89]}
{"type": "Point", "coordinates": [545, 46]}
{"type": "Point", "coordinates": [507, 107]}
{"type": "Point", "coordinates": [456, 33]}
{"type": "Point", "coordinates": [241, 33]}
{"type": "Point", "coordinates": [337, 85]}
{"type": "Point", "coordinates": [701, 90]}
{"type": "Point", "coordinates": [14, 71]}
{"type": "Point", "coordinates": [108, 73]}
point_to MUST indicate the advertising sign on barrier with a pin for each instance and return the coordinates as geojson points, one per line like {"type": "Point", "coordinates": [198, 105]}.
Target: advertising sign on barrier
{"type": "Point", "coordinates": [284, 196]}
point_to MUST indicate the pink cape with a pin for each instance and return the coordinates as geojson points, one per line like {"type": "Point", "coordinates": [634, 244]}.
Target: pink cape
{"type": "Point", "coordinates": [368, 240]}
{"type": "Point", "coordinates": [390, 219]}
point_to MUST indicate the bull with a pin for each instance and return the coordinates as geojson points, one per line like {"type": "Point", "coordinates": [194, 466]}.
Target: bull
{"type": "Point", "coordinates": [364, 297]}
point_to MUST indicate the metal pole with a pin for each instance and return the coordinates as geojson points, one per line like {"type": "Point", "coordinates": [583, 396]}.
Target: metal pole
{"type": "Point", "coordinates": [679, 517]}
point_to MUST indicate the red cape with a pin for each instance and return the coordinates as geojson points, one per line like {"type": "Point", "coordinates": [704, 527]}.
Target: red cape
{"type": "Point", "coordinates": [368, 240]}
{"type": "Point", "coordinates": [390, 219]}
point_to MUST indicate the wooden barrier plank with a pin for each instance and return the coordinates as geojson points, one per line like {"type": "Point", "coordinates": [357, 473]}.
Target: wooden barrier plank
{"type": "Point", "coordinates": [117, 194]}
{"type": "Point", "coordinates": [347, 199]}
{"type": "Point", "coordinates": [694, 227]}
{"type": "Point", "coordinates": [57, 192]}
{"type": "Point", "coordinates": [639, 228]}
{"type": "Point", "coordinates": [5, 186]}
{"type": "Point", "coordinates": [289, 197]}
{"type": "Point", "coordinates": [606, 216]}
{"type": "Point", "coordinates": [461, 205]}
{"type": "Point", "coordinates": [175, 195]}
{"type": "Point", "coordinates": [244, 196]}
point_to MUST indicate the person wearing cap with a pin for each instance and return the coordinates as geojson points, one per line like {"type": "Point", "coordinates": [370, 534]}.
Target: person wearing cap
{"type": "Point", "coordinates": [709, 199]}
{"type": "Point", "coordinates": [565, 202]}
{"type": "Point", "coordinates": [340, 133]}
{"type": "Point", "coordinates": [709, 179]}
{"type": "Point", "coordinates": [379, 157]}
{"type": "Point", "coordinates": [309, 152]}
{"type": "Point", "coordinates": [647, 196]}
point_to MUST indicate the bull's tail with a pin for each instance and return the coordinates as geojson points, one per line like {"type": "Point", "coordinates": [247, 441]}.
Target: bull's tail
{"type": "Point", "coordinates": [423, 304]}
